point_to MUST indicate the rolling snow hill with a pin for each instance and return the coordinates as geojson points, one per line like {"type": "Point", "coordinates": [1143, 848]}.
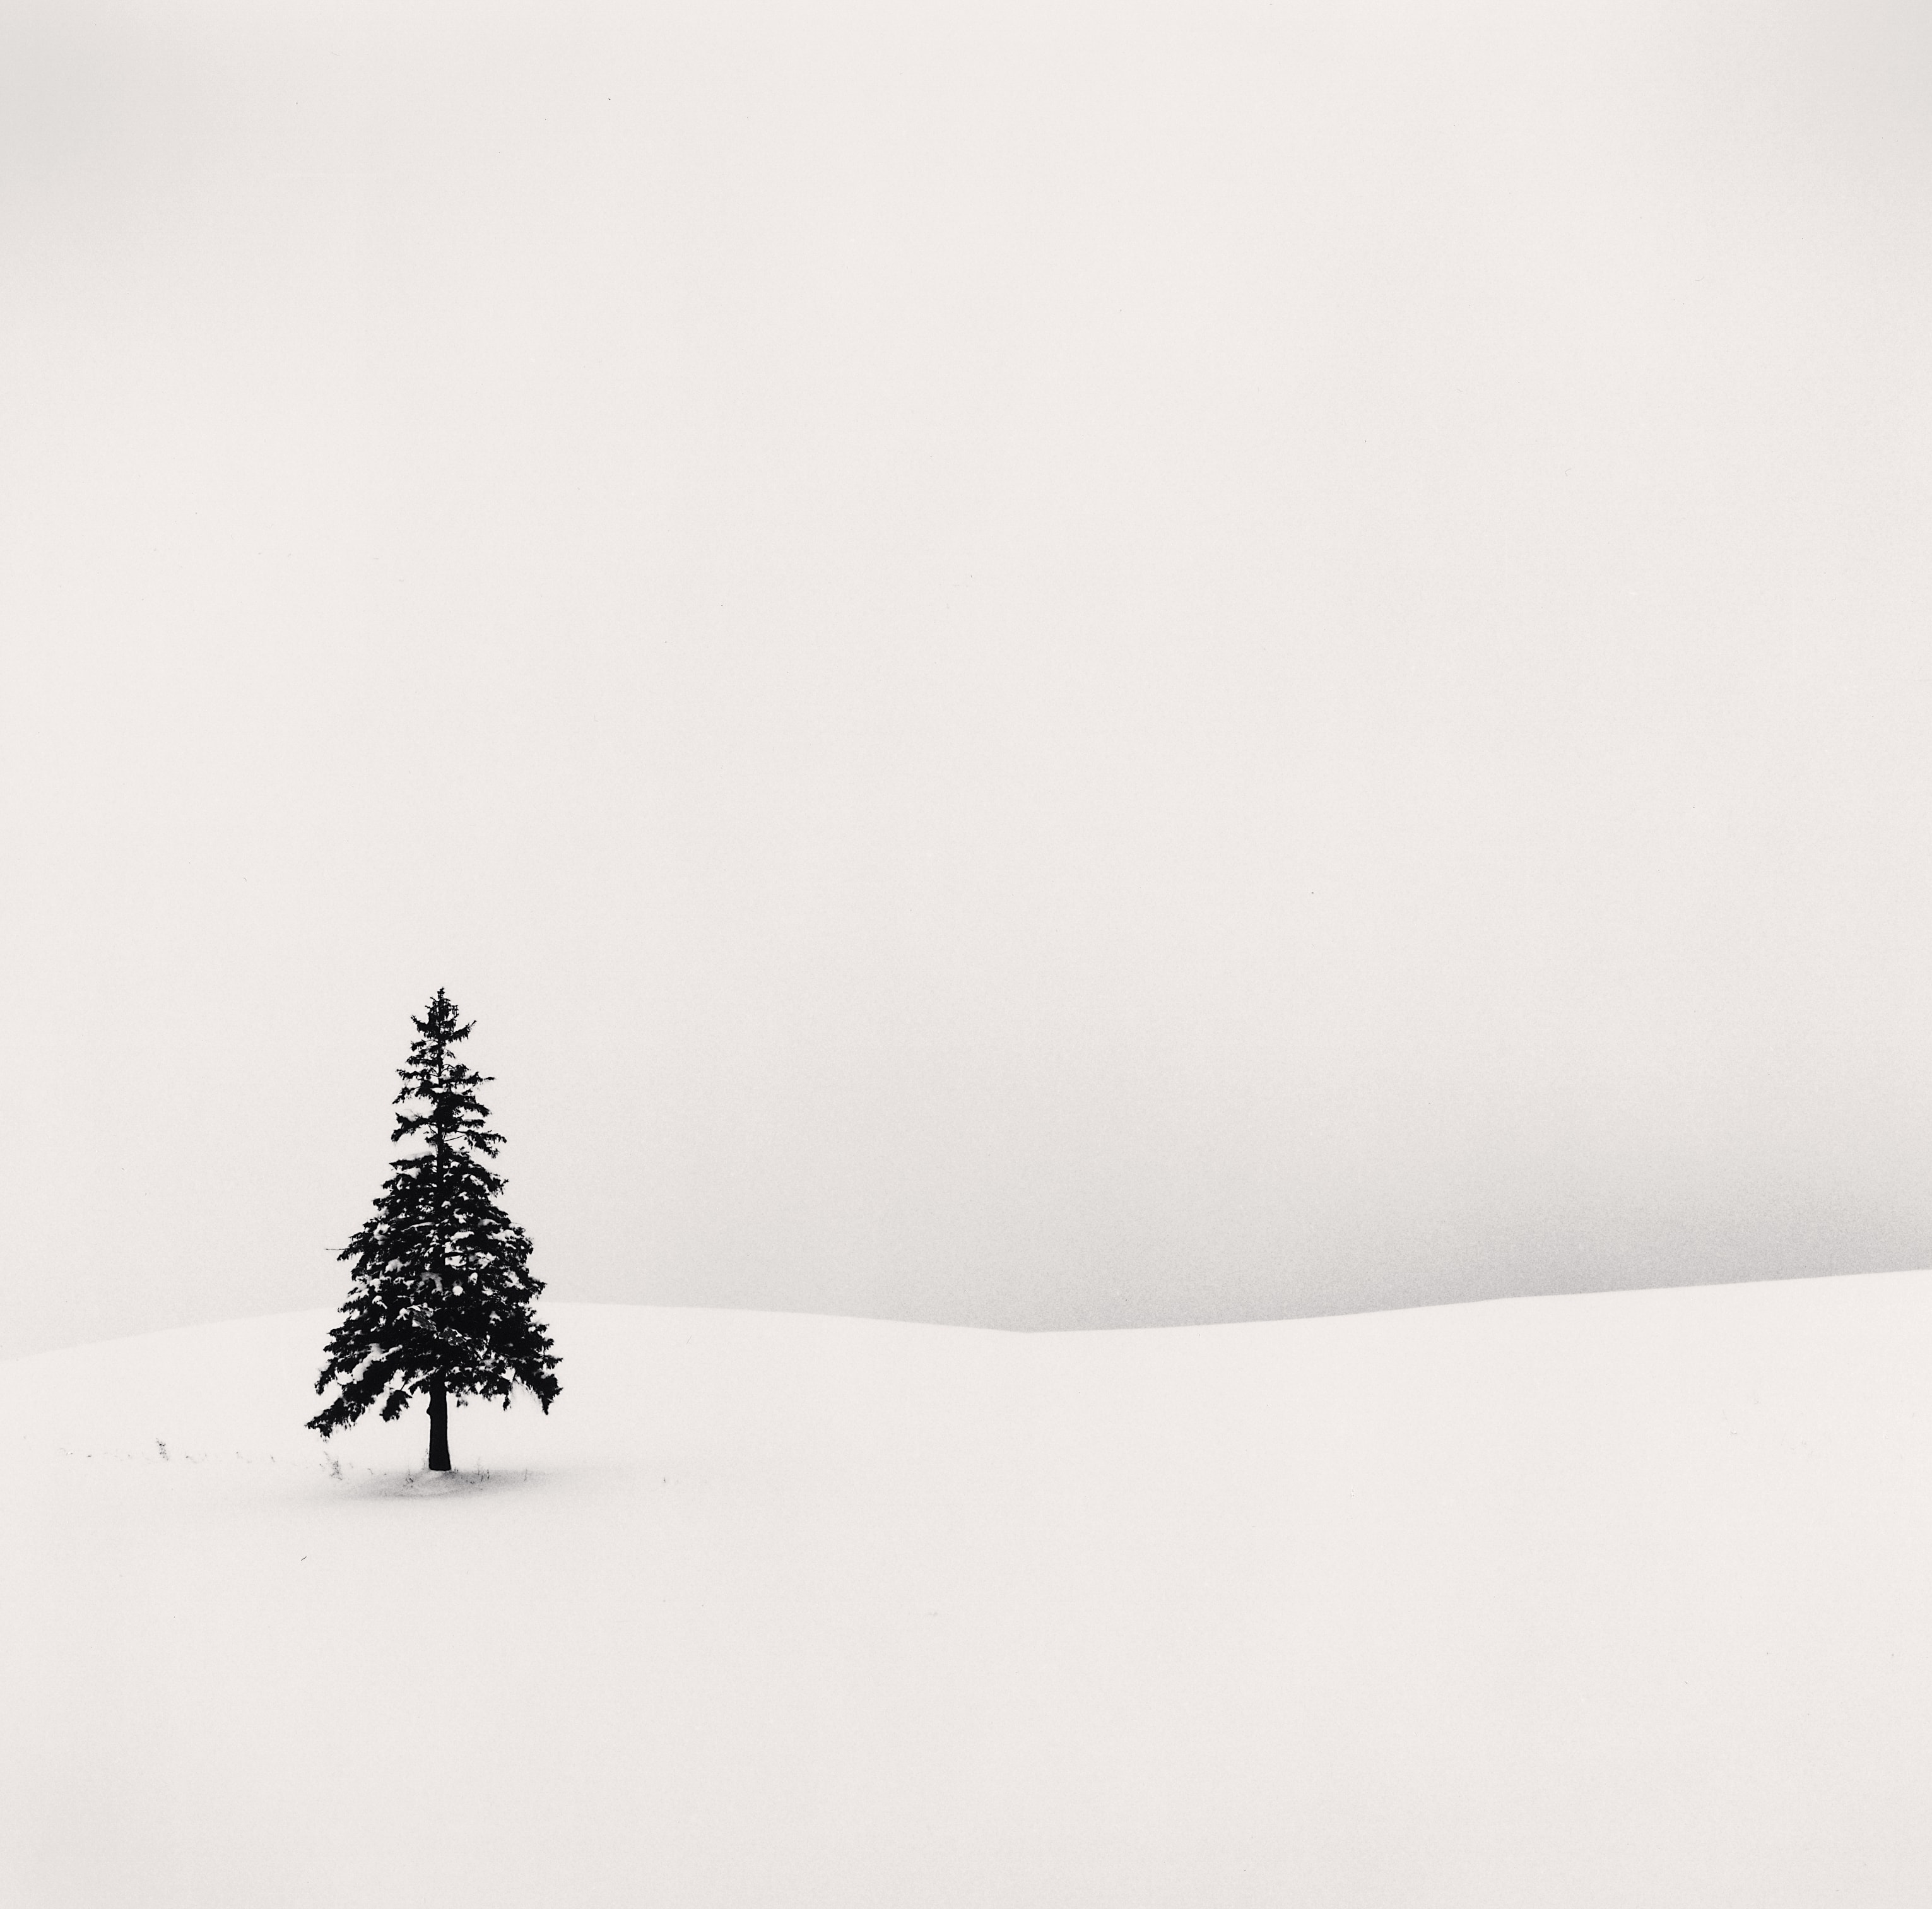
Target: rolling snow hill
{"type": "Point", "coordinates": [1618, 1600]}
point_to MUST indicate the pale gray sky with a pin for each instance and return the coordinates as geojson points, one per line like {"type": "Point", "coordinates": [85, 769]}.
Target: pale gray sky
{"type": "Point", "coordinates": [1040, 665]}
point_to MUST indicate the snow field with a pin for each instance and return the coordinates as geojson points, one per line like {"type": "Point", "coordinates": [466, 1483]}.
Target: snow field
{"type": "Point", "coordinates": [1616, 1600]}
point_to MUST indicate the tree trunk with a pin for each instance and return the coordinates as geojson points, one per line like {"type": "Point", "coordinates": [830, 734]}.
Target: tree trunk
{"type": "Point", "coordinates": [438, 1428]}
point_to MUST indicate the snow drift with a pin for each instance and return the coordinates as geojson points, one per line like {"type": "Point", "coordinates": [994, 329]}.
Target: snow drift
{"type": "Point", "coordinates": [1615, 1600]}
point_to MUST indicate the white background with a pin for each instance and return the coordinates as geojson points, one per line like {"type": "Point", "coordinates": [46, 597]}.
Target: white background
{"type": "Point", "coordinates": [1034, 665]}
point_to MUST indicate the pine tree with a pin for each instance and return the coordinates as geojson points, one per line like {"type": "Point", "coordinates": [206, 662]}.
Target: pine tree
{"type": "Point", "coordinates": [439, 1300]}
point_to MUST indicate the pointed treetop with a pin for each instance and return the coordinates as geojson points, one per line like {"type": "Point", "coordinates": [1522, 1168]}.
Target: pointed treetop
{"type": "Point", "coordinates": [442, 1086]}
{"type": "Point", "coordinates": [439, 1022]}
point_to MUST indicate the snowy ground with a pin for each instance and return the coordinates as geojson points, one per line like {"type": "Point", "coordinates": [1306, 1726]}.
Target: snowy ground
{"type": "Point", "coordinates": [1618, 1600]}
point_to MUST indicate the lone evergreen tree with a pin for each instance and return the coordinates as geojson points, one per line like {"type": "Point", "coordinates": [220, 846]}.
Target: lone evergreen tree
{"type": "Point", "coordinates": [440, 1301]}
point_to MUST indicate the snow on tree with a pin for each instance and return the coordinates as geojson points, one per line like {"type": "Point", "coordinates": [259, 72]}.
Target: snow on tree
{"type": "Point", "coordinates": [440, 1301]}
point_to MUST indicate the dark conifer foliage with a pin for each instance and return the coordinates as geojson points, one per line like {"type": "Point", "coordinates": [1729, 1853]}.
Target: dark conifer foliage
{"type": "Point", "coordinates": [439, 1303]}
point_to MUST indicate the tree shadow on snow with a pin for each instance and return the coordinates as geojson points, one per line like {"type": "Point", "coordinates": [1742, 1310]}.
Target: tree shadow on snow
{"type": "Point", "coordinates": [363, 1481]}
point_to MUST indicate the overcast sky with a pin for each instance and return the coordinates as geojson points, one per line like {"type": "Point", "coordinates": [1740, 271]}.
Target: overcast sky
{"type": "Point", "coordinates": [1039, 664]}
